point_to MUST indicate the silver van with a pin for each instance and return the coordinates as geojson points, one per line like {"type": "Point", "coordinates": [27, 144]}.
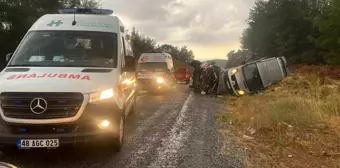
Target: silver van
{"type": "Point", "coordinates": [256, 75]}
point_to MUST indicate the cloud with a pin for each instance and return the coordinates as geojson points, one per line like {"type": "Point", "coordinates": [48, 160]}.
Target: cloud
{"type": "Point", "coordinates": [208, 23]}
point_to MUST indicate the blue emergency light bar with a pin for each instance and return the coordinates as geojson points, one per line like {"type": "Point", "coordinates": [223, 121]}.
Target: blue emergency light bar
{"type": "Point", "coordinates": [85, 11]}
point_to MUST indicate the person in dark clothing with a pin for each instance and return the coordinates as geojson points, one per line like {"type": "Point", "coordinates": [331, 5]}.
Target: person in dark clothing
{"type": "Point", "coordinates": [196, 74]}
{"type": "Point", "coordinates": [209, 78]}
{"type": "Point", "coordinates": [217, 70]}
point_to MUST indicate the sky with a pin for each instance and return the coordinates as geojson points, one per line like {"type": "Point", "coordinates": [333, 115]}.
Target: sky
{"type": "Point", "coordinates": [211, 28]}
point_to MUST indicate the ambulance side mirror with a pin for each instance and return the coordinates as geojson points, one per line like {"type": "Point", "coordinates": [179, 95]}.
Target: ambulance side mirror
{"type": "Point", "coordinates": [8, 57]}
{"type": "Point", "coordinates": [130, 64]}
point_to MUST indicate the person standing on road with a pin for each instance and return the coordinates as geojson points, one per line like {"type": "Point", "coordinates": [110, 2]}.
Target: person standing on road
{"type": "Point", "coordinates": [197, 73]}
{"type": "Point", "coordinates": [216, 70]}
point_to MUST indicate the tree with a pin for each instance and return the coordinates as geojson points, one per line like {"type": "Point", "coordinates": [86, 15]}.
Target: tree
{"type": "Point", "coordinates": [141, 44]}
{"type": "Point", "coordinates": [237, 58]}
{"type": "Point", "coordinates": [284, 27]}
{"type": "Point", "coordinates": [81, 3]}
{"type": "Point", "coordinates": [329, 27]}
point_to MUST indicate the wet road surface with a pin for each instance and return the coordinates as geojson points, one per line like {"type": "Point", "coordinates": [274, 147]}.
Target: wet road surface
{"type": "Point", "coordinates": [177, 129]}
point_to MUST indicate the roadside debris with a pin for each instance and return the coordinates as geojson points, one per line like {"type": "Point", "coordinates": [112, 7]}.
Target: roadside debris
{"type": "Point", "coordinates": [248, 137]}
{"type": "Point", "coordinates": [251, 131]}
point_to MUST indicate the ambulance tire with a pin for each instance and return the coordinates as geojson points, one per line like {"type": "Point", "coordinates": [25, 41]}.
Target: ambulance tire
{"type": "Point", "coordinates": [134, 105]}
{"type": "Point", "coordinates": [116, 137]}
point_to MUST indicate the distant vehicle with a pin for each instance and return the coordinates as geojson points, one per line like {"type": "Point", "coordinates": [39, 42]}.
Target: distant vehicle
{"type": "Point", "coordinates": [256, 75]}
{"type": "Point", "coordinates": [155, 72]}
{"type": "Point", "coordinates": [182, 75]}
{"type": "Point", "coordinates": [71, 80]}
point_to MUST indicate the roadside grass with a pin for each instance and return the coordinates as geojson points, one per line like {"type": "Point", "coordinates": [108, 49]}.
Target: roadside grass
{"type": "Point", "coordinates": [295, 123]}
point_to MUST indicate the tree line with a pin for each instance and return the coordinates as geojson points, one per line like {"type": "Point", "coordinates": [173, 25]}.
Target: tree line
{"type": "Point", "coordinates": [17, 16]}
{"type": "Point", "coordinates": [304, 31]}
{"type": "Point", "coordinates": [143, 44]}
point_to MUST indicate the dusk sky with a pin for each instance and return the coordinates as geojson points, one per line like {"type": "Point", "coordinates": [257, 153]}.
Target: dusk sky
{"type": "Point", "coordinates": [211, 28]}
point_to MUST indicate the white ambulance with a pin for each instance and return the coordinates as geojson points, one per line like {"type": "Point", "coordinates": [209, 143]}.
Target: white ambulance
{"type": "Point", "coordinates": [155, 72]}
{"type": "Point", "coordinates": [71, 80]}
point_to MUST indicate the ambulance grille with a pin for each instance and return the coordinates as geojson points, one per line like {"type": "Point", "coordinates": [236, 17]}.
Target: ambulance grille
{"type": "Point", "coordinates": [59, 105]}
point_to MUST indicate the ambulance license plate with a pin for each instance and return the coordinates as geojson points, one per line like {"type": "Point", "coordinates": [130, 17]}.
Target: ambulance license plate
{"type": "Point", "coordinates": [38, 143]}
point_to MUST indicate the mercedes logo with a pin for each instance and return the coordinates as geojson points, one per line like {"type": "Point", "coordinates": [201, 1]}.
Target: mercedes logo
{"type": "Point", "coordinates": [38, 105]}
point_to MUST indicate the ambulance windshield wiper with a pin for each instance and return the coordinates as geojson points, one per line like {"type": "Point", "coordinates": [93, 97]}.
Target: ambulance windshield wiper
{"type": "Point", "coordinates": [26, 65]}
{"type": "Point", "coordinates": [73, 66]}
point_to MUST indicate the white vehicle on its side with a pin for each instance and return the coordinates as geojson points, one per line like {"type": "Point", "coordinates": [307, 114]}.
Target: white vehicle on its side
{"type": "Point", "coordinates": [71, 80]}
{"type": "Point", "coordinates": [155, 71]}
{"type": "Point", "coordinates": [256, 75]}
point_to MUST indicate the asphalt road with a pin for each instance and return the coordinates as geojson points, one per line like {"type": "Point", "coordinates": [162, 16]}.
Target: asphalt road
{"type": "Point", "coordinates": [177, 129]}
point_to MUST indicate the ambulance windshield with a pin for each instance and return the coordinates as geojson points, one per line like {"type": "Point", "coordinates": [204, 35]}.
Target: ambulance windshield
{"type": "Point", "coordinates": [67, 49]}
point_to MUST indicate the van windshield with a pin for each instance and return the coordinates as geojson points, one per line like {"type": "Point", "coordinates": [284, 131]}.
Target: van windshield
{"type": "Point", "coordinates": [252, 77]}
{"type": "Point", "coordinates": [153, 66]}
{"type": "Point", "coordinates": [67, 49]}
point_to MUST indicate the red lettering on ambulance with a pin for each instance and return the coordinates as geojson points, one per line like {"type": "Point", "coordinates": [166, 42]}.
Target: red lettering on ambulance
{"type": "Point", "coordinates": [52, 75]}
{"type": "Point", "coordinates": [32, 76]}
{"type": "Point", "coordinates": [49, 75]}
{"type": "Point", "coordinates": [11, 77]}
{"type": "Point", "coordinates": [72, 76]}
{"type": "Point", "coordinates": [42, 76]}
{"type": "Point", "coordinates": [62, 75]}
{"type": "Point", "coordinates": [21, 76]}
{"type": "Point", "coordinates": [85, 77]}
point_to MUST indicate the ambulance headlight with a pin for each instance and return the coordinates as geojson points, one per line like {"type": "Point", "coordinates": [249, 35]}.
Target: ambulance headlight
{"type": "Point", "coordinates": [103, 95]}
{"type": "Point", "coordinates": [234, 71]}
{"type": "Point", "coordinates": [160, 80]}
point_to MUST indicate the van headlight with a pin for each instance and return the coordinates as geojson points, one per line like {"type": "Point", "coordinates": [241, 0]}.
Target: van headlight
{"type": "Point", "coordinates": [160, 80]}
{"type": "Point", "coordinates": [241, 92]}
{"type": "Point", "coordinates": [103, 95]}
{"type": "Point", "coordinates": [234, 71]}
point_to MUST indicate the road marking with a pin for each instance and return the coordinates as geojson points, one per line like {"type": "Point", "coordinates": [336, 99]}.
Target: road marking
{"type": "Point", "coordinates": [167, 154]}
